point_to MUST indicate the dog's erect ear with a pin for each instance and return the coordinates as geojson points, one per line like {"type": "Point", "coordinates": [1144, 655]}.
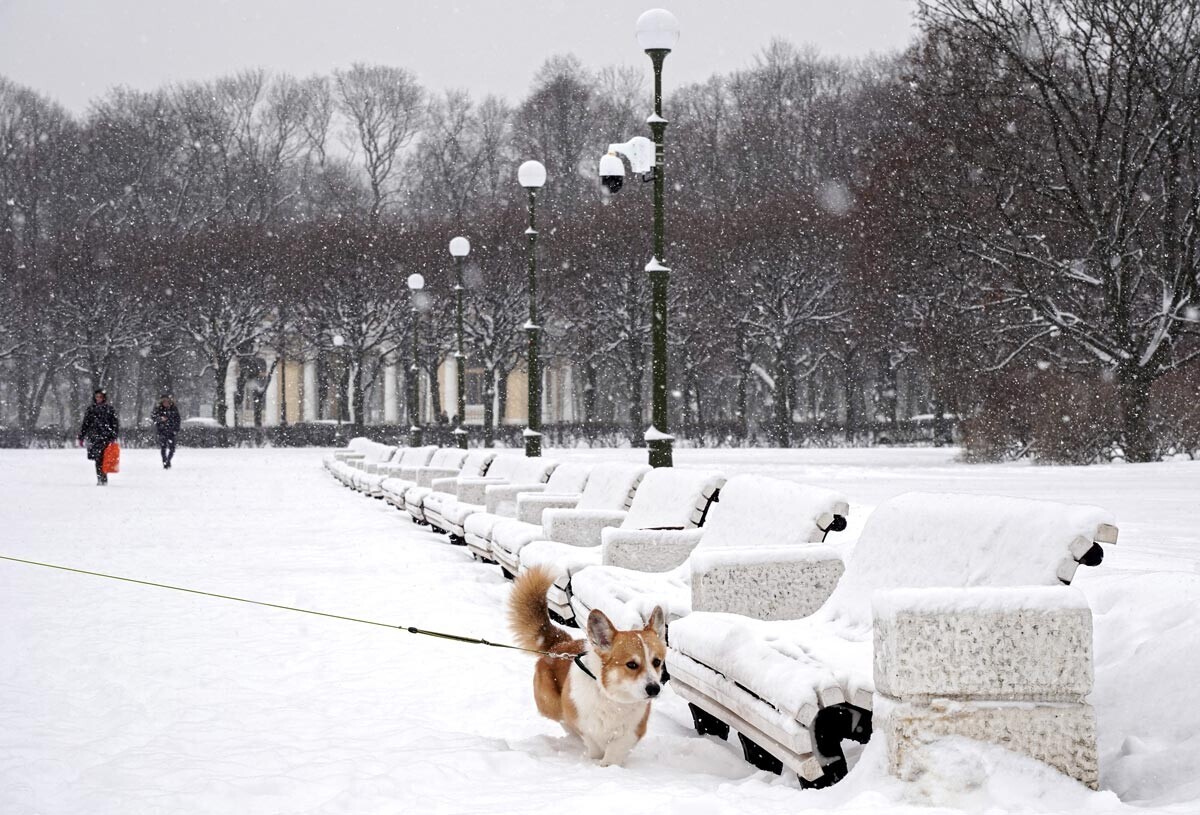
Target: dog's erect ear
{"type": "Point", "coordinates": [657, 622]}
{"type": "Point", "coordinates": [600, 630]}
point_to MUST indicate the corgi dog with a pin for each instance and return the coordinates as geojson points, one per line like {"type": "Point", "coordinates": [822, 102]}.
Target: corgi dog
{"type": "Point", "coordinates": [602, 694]}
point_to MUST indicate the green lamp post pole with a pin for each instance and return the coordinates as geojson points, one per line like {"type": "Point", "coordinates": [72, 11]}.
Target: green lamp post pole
{"type": "Point", "coordinates": [415, 283]}
{"type": "Point", "coordinates": [657, 33]}
{"type": "Point", "coordinates": [338, 342]}
{"type": "Point", "coordinates": [532, 175]}
{"type": "Point", "coordinates": [460, 247]}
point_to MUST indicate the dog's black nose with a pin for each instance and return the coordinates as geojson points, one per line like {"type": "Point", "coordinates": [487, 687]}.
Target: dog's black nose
{"type": "Point", "coordinates": [652, 690]}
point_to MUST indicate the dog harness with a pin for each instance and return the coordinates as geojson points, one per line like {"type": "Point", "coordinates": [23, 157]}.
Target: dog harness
{"type": "Point", "coordinates": [579, 661]}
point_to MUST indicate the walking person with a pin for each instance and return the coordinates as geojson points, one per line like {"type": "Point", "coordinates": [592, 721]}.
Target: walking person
{"type": "Point", "coordinates": [166, 421]}
{"type": "Point", "coordinates": [100, 428]}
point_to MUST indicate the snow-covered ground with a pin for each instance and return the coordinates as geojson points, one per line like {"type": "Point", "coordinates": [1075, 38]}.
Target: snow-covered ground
{"type": "Point", "coordinates": [119, 698]}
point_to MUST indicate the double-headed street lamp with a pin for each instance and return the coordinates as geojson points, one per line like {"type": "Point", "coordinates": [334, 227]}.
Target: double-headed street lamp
{"type": "Point", "coordinates": [532, 175]}
{"type": "Point", "coordinates": [460, 247]}
{"type": "Point", "coordinates": [415, 283]}
{"type": "Point", "coordinates": [657, 33]}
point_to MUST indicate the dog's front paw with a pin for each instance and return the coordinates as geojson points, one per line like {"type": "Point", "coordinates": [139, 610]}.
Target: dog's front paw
{"type": "Point", "coordinates": [616, 754]}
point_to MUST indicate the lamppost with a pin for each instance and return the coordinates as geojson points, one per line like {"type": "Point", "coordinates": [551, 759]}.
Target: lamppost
{"type": "Point", "coordinates": [338, 342]}
{"type": "Point", "coordinates": [532, 175]}
{"type": "Point", "coordinates": [415, 283]}
{"type": "Point", "coordinates": [657, 33]}
{"type": "Point", "coordinates": [460, 247]}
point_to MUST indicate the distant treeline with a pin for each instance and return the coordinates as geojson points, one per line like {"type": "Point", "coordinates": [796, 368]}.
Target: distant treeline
{"type": "Point", "coordinates": [1000, 224]}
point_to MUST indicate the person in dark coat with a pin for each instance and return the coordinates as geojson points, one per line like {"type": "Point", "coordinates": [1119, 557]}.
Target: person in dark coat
{"type": "Point", "coordinates": [166, 421]}
{"type": "Point", "coordinates": [100, 428]}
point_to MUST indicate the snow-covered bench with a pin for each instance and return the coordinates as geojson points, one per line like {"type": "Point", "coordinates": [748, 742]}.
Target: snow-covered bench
{"type": "Point", "coordinates": [369, 452]}
{"type": "Point", "coordinates": [357, 446]}
{"type": "Point", "coordinates": [610, 487]}
{"type": "Point", "coordinates": [455, 499]}
{"type": "Point", "coordinates": [473, 464]}
{"type": "Point", "coordinates": [666, 498]}
{"type": "Point", "coordinates": [758, 524]}
{"type": "Point", "coordinates": [396, 486]}
{"type": "Point", "coordinates": [375, 458]}
{"type": "Point", "coordinates": [501, 502]}
{"type": "Point", "coordinates": [369, 479]}
{"type": "Point", "coordinates": [982, 620]}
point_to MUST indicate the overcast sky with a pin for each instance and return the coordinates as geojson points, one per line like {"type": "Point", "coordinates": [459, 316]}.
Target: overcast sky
{"type": "Point", "coordinates": [72, 50]}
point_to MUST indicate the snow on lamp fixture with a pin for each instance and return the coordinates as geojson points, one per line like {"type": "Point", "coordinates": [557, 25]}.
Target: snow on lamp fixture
{"type": "Point", "coordinates": [612, 172]}
{"type": "Point", "coordinates": [460, 247]}
{"type": "Point", "coordinates": [657, 30]}
{"type": "Point", "coordinates": [338, 341]}
{"type": "Point", "coordinates": [640, 152]}
{"type": "Point", "coordinates": [531, 174]}
{"type": "Point", "coordinates": [416, 282]}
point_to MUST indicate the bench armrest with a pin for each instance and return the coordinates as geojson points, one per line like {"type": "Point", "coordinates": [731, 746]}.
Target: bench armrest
{"type": "Point", "coordinates": [579, 527]}
{"type": "Point", "coordinates": [501, 499]}
{"type": "Point", "coordinates": [346, 455]}
{"type": "Point", "coordinates": [1028, 643]}
{"type": "Point", "coordinates": [425, 475]}
{"type": "Point", "coordinates": [443, 485]}
{"type": "Point", "coordinates": [531, 505]}
{"type": "Point", "coordinates": [473, 490]}
{"type": "Point", "coordinates": [767, 583]}
{"type": "Point", "coordinates": [648, 550]}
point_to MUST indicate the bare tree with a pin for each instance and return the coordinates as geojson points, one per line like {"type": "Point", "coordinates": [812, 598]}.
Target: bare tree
{"type": "Point", "coordinates": [457, 163]}
{"type": "Point", "coordinates": [383, 109]}
{"type": "Point", "coordinates": [1086, 122]}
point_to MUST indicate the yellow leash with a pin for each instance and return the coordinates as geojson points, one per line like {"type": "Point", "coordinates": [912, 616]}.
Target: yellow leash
{"type": "Point", "coordinates": [408, 628]}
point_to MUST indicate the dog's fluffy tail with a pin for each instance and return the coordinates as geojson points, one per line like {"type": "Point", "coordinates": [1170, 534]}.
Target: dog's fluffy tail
{"type": "Point", "coordinates": [528, 612]}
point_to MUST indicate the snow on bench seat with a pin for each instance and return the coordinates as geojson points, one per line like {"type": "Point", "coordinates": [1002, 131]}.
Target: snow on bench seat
{"type": "Point", "coordinates": [357, 446]}
{"type": "Point", "coordinates": [753, 513]}
{"type": "Point", "coordinates": [501, 503]}
{"type": "Point", "coordinates": [406, 460]}
{"type": "Point", "coordinates": [610, 488]}
{"type": "Point", "coordinates": [369, 466]}
{"type": "Point", "coordinates": [453, 499]}
{"type": "Point", "coordinates": [666, 498]}
{"type": "Point", "coordinates": [396, 486]}
{"type": "Point", "coordinates": [819, 670]}
{"type": "Point", "coordinates": [472, 464]}
{"type": "Point", "coordinates": [347, 466]}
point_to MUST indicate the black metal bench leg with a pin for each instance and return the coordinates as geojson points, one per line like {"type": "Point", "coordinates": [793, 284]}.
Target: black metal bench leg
{"type": "Point", "coordinates": [757, 757]}
{"type": "Point", "coordinates": [832, 725]}
{"type": "Point", "coordinates": [707, 724]}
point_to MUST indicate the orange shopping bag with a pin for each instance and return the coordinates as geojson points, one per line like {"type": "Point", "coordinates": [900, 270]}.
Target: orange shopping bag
{"type": "Point", "coordinates": [111, 463]}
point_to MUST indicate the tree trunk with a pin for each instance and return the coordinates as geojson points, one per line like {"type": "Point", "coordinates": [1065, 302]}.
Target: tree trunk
{"type": "Point", "coordinates": [743, 389]}
{"type": "Point", "coordinates": [501, 384]}
{"type": "Point", "coordinates": [220, 370]}
{"type": "Point", "coordinates": [139, 397]}
{"type": "Point", "coordinates": [435, 391]}
{"type": "Point", "coordinates": [589, 392]}
{"type": "Point", "coordinates": [782, 417]}
{"type": "Point", "coordinates": [697, 405]}
{"type": "Point", "coordinates": [1133, 394]}
{"type": "Point", "coordinates": [850, 390]}
{"type": "Point", "coordinates": [489, 410]}
{"type": "Point", "coordinates": [359, 392]}
{"type": "Point", "coordinates": [633, 385]}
